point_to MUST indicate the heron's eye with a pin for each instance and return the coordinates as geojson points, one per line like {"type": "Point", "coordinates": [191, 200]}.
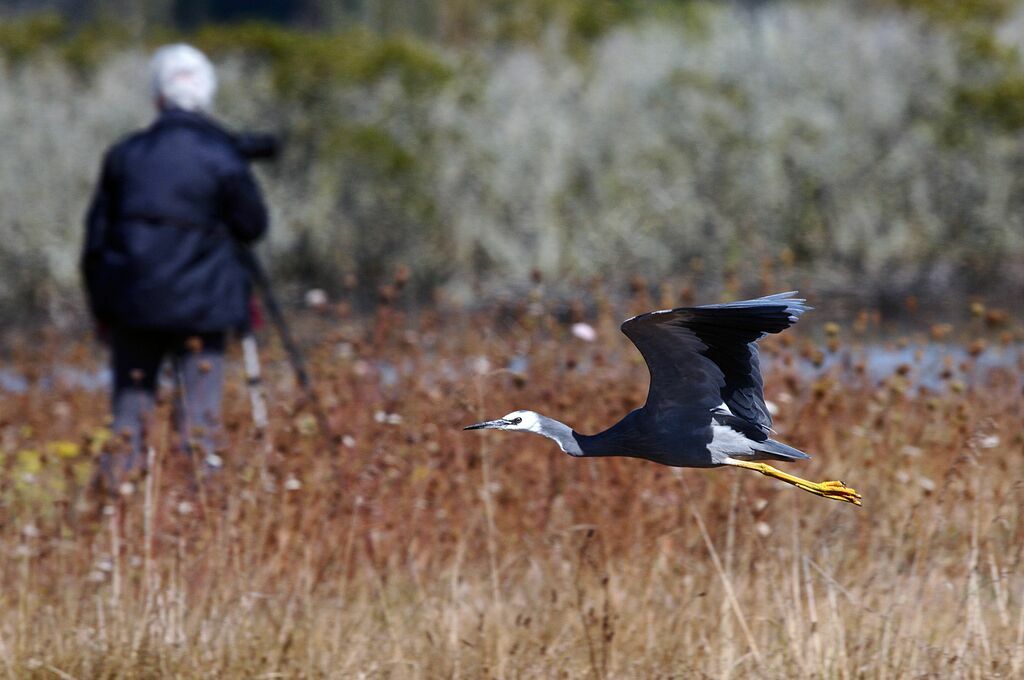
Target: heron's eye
{"type": "Point", "coordinates": [516, 421]}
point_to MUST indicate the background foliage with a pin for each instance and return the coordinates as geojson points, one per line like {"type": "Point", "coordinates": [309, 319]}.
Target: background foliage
{"type": "Point", "coordinates": [875, 146]}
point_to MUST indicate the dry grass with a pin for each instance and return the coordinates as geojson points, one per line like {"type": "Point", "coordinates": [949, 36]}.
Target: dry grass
{"type": "Point", "coordinates": [418, 550]}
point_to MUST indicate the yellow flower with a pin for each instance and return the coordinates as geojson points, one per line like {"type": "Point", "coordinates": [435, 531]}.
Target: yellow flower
{"type": "Point", "coordinates": [29, 461]}
{"type": "Point", "coordinates": [65, 449]}
{"type": "Point", "coordinates": [99, 439]}
{"type": "Point", "coordinates": [420, 473]}
{"type": "Point", "coordinates": [306, 425]}
{"type": "Point", "coordinates": [82, 470]}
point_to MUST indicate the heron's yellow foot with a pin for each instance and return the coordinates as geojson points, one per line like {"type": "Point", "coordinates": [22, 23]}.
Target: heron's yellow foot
{"type": "Point", "coordinates": [832, 489]}
{"type": "Point", "coordinates": [835, 490]}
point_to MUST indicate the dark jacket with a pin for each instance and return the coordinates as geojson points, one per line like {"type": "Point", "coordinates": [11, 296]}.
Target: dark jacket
{"type": "Point", "coordinates": [173, 205]}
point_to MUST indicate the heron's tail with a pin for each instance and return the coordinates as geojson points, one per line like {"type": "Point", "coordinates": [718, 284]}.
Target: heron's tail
{"type": "Point", "coordinates": [779, 451]}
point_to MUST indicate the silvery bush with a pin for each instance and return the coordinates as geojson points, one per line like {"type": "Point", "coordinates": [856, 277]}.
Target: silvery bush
{"type": "Point", "coordinates": [818, 131]}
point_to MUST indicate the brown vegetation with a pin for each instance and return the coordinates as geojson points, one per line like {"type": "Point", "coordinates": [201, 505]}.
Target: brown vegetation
{"type": "Point", "coordinates": [417, 550]}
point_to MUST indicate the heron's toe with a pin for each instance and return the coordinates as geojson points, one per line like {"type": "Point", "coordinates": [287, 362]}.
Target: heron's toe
{"type": "Point", "coordinates": [836, 490]}
{"type": "Point", "coordinates": [834, 483]}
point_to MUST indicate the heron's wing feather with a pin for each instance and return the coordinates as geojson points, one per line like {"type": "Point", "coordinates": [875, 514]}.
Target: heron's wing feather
{"type": "Point", "coordinates": [706, 355]}
{"type": "Point", "coordinates": [681, 372]}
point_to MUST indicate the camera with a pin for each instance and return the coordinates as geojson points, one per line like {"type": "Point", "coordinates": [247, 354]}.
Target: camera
{"type": "Point", "coordinates": [258, 146]}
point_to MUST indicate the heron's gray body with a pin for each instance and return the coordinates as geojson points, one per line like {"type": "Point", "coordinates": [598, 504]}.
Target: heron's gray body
{"type": "Point", "coordinates": [706, 401]}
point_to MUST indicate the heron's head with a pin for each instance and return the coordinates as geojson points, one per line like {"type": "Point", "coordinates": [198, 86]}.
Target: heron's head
{"type": "Point", "coordinates": [528, 421]}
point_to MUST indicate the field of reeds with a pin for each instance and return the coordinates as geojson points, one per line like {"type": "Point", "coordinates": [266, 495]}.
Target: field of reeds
{"type": "Point", "coordinates": [401, 546]}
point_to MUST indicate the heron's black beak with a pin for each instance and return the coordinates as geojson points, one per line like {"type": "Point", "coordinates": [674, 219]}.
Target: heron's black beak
{"type": "Point", "coordinates": [489, 425]}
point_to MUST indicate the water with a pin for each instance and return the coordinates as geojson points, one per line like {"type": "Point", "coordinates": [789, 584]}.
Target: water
{"type": "Point", "coordinates": [928, 362]}
{"type": "Point", "coordinates": [12, 382]}
{"type": "Point", "coordinates": [932, 367]}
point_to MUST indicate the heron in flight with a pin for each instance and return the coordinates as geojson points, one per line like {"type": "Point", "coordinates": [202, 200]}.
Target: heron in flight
{"type": "Point", "coordinates": [705, 406]}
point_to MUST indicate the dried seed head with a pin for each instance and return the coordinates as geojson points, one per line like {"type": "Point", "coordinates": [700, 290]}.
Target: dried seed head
{"type": "Point", "coordinates": [941, 331]}
{"type": "Point", "coordinates": [402, 276]}
{"type": "Point", "coordinates": [997, 317]}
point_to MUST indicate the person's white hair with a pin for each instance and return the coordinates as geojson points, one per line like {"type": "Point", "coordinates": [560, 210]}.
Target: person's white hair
{"type": "Point", "coordinates": [183, 77]}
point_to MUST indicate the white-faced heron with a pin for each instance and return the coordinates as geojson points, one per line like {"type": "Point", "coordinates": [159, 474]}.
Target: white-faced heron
{"type": "Point", "coordinates": [705, 407]}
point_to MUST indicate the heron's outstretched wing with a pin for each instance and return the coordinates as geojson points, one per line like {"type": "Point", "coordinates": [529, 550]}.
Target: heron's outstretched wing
{"type": "Point", "coordinates": [706, 355]}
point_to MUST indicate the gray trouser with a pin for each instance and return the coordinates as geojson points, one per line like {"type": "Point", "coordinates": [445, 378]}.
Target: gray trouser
{"type": "Point", "coordinates": [198, 368]}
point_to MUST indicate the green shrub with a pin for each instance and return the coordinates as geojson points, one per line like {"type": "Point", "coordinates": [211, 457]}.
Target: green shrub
{"type": "Point", "coordinates": [307, 64]}
{"type": "Point", "coordinates": [21, 39]}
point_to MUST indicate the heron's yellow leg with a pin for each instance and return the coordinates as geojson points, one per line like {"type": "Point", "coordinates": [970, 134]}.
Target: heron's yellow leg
{"type": "Point", "coordinates": [835, 490]}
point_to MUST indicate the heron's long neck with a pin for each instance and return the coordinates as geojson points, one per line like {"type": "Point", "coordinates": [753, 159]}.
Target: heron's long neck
{"type": "Point", "coordinates": [561, 434]}
{"type": "Point", "coordinates": [618, 440]}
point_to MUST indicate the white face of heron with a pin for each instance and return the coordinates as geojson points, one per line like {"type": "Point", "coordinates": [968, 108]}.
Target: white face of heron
{"type": "Point", "coordinates": [521, 420]}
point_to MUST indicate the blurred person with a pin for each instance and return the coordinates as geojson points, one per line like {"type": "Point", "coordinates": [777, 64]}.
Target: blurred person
{"type": "Point", "coordinates": [161, 264]}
